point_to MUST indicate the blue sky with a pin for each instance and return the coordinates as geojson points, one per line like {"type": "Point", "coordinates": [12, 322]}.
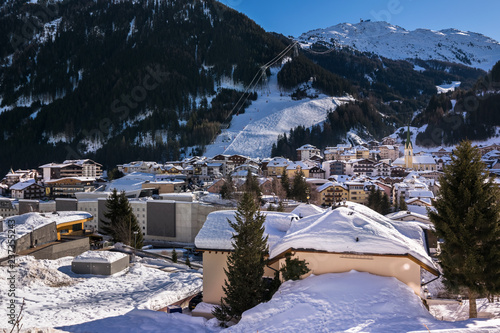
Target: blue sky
{"type": "Point", "coordinates": [293, 17]}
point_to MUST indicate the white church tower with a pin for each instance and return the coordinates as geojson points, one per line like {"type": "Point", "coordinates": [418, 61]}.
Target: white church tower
{"type": "Point", "coordinates": [408, 151]}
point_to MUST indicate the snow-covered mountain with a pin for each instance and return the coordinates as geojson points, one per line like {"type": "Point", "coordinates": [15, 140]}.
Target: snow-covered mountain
{"type": "Point", "coordinates": [393, 42]}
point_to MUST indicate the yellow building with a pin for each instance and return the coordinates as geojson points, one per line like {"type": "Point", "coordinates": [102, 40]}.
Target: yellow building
{"type": "Point", "coordinates": [71, 224]}
{"type": "Point", "coordinates": [295, 167]}
{"type": "Point", "coordinates": [332, 192]}
{"type": "Point", "coordinates": [276, 166]}
{"type": "Point", "coordinates": [357, 192]}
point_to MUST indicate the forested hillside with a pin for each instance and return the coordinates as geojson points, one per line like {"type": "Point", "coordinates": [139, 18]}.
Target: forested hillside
{"type": "Point", "coordinates": [118, 81]}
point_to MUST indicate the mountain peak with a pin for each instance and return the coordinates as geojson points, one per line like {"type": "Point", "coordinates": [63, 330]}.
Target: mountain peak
{"type": "Point", "coordinates": [394, 42]}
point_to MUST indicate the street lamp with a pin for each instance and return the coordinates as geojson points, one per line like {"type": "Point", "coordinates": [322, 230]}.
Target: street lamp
{"type": "Point", "coordinates": [135, 240]}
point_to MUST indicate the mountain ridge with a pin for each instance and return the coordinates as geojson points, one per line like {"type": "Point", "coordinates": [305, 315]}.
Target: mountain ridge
{"type": "Point", "coordinates": [394, 42]}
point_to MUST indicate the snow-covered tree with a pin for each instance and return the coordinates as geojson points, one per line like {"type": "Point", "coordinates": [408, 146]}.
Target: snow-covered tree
{"type": "Point", "coordinates": [467, 220]}
{"type": "Point", "coordinates": [244, 287]}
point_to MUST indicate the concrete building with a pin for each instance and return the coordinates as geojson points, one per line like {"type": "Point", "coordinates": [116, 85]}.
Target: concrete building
{"type": "Point", "coordinates": [100, 262]}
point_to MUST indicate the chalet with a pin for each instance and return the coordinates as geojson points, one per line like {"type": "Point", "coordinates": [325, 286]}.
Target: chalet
{"type": "Point", "coordinates": [306, 152]}
{"type": "Point", "coordinates": [295, 167]}
{"type": "Point", "coordinates": [14, 177]}
{"type": "Point", "coordinates": [381, 169]}
{"type": "Point", "coordinates": [27, 190]}
{"type": "Point", "coordinates": [332, 193]}
{"type": "Point", "coordinates": [277, 165]}
{"type": "Point", "coordinates": [349, 237]}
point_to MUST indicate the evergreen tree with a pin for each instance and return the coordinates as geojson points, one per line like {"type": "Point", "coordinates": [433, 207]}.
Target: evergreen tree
{"type": "Point", "coordinates": [188, 262]}
{"type": "Point", "coordinates": [300, 190]}
{"type": "Point", "coordinates": [294, 268]}
{"type": "Point", "coordinates": [385, 204]}
{"type": "Point", "coordinates": [402, 204]}
{"type": "Point", "coordinates": [371, 195]}
{"type": "Point", "coordinates": [174, 255]}
{"type": "Point", "coordinates": [467, 220]}
{"type": "Point", "coordinates": [252, 186]}
{"type": "Point", "coordinates": [227, 189]}
{"type": "Point", "coordinates": [244, 286]}
{"type": "Point", "coordinates": [285, 182]}
{"type": "Point", "coordinates": [281, 207]}
{"type": "Point", "coordinates": [121, 222]}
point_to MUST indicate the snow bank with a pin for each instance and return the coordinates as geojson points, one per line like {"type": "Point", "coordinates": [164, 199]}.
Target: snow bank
{"type": "Point", "coordinates": [342, 302]}
{"type": "Point", "coordinates": [66, 298]}
{"type": "Point", "coordinates": [304, 210]}
{"type": "Point", "coordinates": [139, 321]}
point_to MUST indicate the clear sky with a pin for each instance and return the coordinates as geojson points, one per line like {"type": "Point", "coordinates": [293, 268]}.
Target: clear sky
{"type": "Point", "coordinates": [293, 17]}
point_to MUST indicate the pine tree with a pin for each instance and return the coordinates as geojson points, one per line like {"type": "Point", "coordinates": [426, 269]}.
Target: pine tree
{"type": "Point", "coordinates": [227, 189]}
{"type": "Point", "coordinates": [174, 255]}
{"type": "Point", "coordinates": [385, 205]}
{"type": "Point", "coordinates": [294, 268]}
{"type": "Point", "coordinates": [299, 188]}
{"type": "Point", "coordinates": [252, 186]}
{"type": "Point", "coordinates": [244, 286]}
{"type": "Point", "coordinates": [121, 222]}
{"type": "Point", "coordinates": [281, 207]}
{"type": "Point", "coordinates": [467, 220]}
{"type": "Point", "coordinates": [402, 204]}
{"type": "Point", "coordinates": [285, 182]}
{"type": "Point", "coordinates": [188, 262]}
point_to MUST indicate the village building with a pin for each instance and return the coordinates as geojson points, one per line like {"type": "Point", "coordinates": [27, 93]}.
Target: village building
{"type": "Point", "coordinates": [306, 152]}
{"type": "Point", "coordinates": [349, 237]}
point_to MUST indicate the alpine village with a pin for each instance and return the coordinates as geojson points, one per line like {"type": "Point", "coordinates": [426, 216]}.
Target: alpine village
{"type": "Point", "coordinates": [172, 166]}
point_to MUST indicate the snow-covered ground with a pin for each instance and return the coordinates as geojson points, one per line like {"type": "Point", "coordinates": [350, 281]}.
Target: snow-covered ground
{"type": "Point", "coordinates": [447, 87]}
{"type": "Point", "coordinates": [416, 148]}
{"type": "Point", "coordinates": [274, 112]}
{"type": "Point", "coordinates": [57, 297]}
{"type": "Point", "coordinates": [58, 300]}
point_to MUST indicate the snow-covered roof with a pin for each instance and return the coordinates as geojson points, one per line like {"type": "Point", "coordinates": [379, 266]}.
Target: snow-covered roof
{"type": "Point", "coordinates": [353, 228]}
{"type": "Point", "coordinates": [295, 165]}
{"type": "Point", "coordinates": [22, 185]}
{"type": "Point", "coordinates": [130, 182]}
{"type": "Point", "coordinates": [402, 214]}
{"type": "Point", "coordinates": [424, 159]}
{"type": "Point", "coordinates": [420, 194]}
{"type": "Point", "coordinates": [99, 256]}
{"type": "Point", "coordinates": [81, 179]}
{"type": "Point", "coordinates": [304, 210]}
{"type": "Point", "coordinates": [26, 223]}
{"type": "Point", "coordinates": [216, 232]}
{"type": "Point", "coordinates": [307, 147]}
{"type": "Point", "coordinates": [329, 184]}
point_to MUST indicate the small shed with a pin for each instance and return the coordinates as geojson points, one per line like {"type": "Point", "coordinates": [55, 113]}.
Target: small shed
{"type": "Point", "coordinates": [100, 262]}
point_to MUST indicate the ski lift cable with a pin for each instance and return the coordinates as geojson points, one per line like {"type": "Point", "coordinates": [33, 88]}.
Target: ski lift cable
{"type": "Point", "coordinates": [262, 72]}
{"type": "Point", "coordinates": [263, 68]}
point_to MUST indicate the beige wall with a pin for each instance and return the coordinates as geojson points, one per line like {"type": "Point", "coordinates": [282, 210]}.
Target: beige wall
{"type": "Point", "coordinates": [214, 263]}
{"type": "Point", "coordinates": [404, 269]}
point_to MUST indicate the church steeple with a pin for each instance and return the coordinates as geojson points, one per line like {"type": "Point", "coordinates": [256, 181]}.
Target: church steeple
{"type": "Point", "coordinates": [408, 144]}
{"type": "Point", "coordinates": [408, 150]}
